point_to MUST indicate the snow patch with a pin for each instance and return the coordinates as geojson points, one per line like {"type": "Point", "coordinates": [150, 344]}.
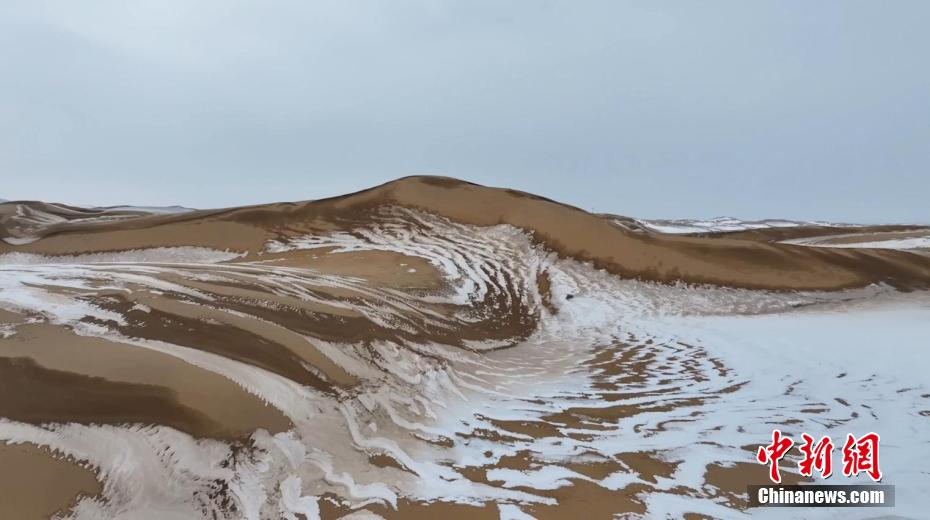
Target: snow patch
{"type": "Point", "coordinates": [184, 254]}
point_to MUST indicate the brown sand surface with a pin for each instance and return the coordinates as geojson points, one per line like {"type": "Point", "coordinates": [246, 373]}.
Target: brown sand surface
{"type": "Point", "coordinates": [295, 343]}
{"type": "Point", "coordinates": [732, 480]}
{"type": "Point", "coordinates": [52, 375]}
{"type": "Point", "coordinates": [331, 509]}
{"type": "Point", "coordinates": [253, 292]}
{"type": "Point", "coordinates": [578, 234]}
{"type": "Point", "coordinates": [36, 485]}
{"type": "Point", "coordinates": [585, 499]}
{"type": "Point", "coordinates": [433, 510]}
{"type": "Point", "coordinates": [11, 318]}
{"type": "Point", "coordinates": [37, 395]}
{"type": "Point", "coordinates": [48, 374]}
{"type": "Point", "coordinates": [567, 230]}
{"type": "Point", "coordinates": [186, 329]}
{"type": "Point", "coordinates": [778, 234]}
{"type": "Point", "coordinates": [379, 268]}
{"type": "Point", "coordinates": [581, 498]}
{"type": "Point", "coordinates": [126, 235]}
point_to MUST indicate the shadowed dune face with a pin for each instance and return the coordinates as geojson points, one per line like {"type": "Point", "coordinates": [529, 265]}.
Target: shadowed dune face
{"type": "Point", "coordinates": [51, 375]}
{"type": "Point", "coordinates": [426, 348]}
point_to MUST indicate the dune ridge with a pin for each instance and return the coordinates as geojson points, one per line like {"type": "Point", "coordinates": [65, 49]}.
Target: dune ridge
{"type": "Point", "coordinates": [727, 260]}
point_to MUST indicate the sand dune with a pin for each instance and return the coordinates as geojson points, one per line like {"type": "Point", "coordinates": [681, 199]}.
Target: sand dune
{"type": "Point", "coordinates": [571, 232]}
{"type": "Point", "coordinates": [22, 222]}
{"type": "Point", "coordinates": [432, 348]}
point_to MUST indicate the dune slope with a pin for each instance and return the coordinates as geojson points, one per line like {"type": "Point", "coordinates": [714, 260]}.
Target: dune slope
{"type": "Point", "coordinates": [432, 348]}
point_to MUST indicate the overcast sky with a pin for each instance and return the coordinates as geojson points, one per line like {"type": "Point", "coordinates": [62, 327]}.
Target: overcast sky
{"type": "Point", "coordinates": [815, 110]}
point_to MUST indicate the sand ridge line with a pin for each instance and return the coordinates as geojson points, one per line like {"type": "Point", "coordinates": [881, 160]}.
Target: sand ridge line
{"type": "Point", "coordinates": [571, 232]}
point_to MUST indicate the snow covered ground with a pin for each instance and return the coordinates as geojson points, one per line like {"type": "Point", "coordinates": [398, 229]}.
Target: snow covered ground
{"type": "Point", "coordinates": [695, 375]}
{"type": "Point", "coordinates": [722, 224]}
{"type": "Point", "coordinates": [184, 254]}
{"type": "Point", "coordinates": [918, 242]}
{"type": "Point", "coordinates": [862, 363]}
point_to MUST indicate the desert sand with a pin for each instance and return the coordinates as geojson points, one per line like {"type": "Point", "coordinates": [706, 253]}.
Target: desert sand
{"type": "Point", "coordinates": [564, 229]}
{"type": "Point", "coordinates": [431, 347]}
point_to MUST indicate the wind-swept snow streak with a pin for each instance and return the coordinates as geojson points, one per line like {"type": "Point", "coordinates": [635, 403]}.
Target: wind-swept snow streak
{"type": "Point", "coordinates": [524, 375]}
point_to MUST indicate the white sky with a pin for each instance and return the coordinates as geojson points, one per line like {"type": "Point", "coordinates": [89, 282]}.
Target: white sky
{"type": "Point", "coordinates": [816, 110]}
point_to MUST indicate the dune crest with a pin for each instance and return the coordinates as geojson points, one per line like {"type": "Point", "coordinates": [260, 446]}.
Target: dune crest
{"type": "Point", "coordinates": [726, 259]}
